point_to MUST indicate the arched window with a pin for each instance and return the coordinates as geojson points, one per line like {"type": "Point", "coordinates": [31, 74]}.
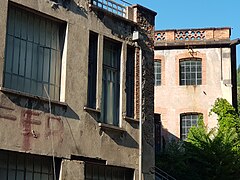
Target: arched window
{"type": "Point", "coordinates": [186, 122]}
{"type": "Point", "coordinates": [157, 72]}
{"type": "Point", "coordinates": [190, 71]}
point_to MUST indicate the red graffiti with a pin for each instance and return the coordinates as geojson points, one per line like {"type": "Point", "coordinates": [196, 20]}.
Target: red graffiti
{"type": "Point", "coordinates": [31, 124]}
{"type": "Point", "coordinates": [27, 119]}
{"type": "Point", "coordinates": [54, 127]}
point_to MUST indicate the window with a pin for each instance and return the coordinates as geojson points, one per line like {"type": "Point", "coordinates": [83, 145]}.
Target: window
{"type": "Point", "coordinates": [191, 71]}
{"type": "Point", "coordinates": [187, 121]}
{"type": "Point", "coordinates": [157, 72]}
{"type": "Point", "coordinates": [130, 81]}
{"type": "Point", "coordinates": [110, 82]}
{"type": "Point", "coordinates": [92, 69]}
{"type": "Point", "coordinates": [33, 52]}
{"type": "Point", "coordinates": [17, 166]}
{"type": "Point", "coordinates": [101, 172]}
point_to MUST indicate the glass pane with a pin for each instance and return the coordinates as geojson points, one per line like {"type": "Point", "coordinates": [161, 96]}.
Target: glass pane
{"type": "Point", "coordinates": [29, 60]}
{"type": "Point", "coordinates": [20, 175]}
{"type": "Point", "coordinates": [9, 54]}
{"type": "Point", "coordinates": [16, 55]}
{"type": "Point", "coordinates": [11, 21]}
{"type": "Point", "coordinates": [30, 28]}
{"type": "Point", "coordinates": [36, 29]}
{"type": "Point", "coordinates": [3, 173]}
{"type": "Point", "coordinates": [24, 26]}
{"type": "Point", "coordinates": [46, 65]}
{"type": "Point", "coordinates": [17, 27]}
{"type": "Point", "coordinates": [29, 176]}
{"type": "Point", "coordinates": [22, 58]}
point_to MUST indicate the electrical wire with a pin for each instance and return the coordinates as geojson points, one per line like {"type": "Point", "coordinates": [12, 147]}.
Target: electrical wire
{"type": "Point", "coordinates": [51, 127]}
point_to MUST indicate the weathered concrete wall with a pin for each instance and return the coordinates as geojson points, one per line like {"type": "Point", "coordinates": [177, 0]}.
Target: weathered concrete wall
{"type": "Point", "coordinates": [171, 99]}
{"type": "Point", "coordinates": [26, 122]}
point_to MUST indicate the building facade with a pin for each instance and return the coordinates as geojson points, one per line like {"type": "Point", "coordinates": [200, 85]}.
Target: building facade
{"type": "Point", "coordinates": [193, 67]}
{"type": "Point", "coordinates": [71, 86]}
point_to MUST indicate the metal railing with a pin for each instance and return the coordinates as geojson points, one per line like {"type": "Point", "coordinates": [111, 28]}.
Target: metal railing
{"type": "Point", "coordinates": [162, 175]}
{"type": "Point", "coordinates": [110, 6]}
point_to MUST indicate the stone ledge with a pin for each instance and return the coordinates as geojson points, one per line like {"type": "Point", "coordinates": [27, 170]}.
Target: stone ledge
{"type": "Point", "coordinates": [109, 127]}
{"type": "Point", "coordinates": [26, 95]}
{"type": "Point", "coordinates": [92, 109]}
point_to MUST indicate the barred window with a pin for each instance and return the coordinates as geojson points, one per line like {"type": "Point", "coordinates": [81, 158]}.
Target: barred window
{"type": "Point", "coordinates": [33, 52]}
{"type": "Point", "coordinates": [17, 166]}
{"type": "Point", "coordinates": [190, 71]}
{"type": "Point", "coordinates": [97, 171]}
{"type": "Point", "coordinates": [187, 121]}
{"type": "Point", "coordinates": [157, 72]}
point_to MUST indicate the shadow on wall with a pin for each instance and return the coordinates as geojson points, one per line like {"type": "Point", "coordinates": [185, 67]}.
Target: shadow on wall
{"type": "Point", "coordinates": [39, 105]}
{"type": "Point", "coordinates": [162, 139]}
{"type": "Point", "coordinates": [69, 6]}
{"type": "Point", "coordinates": [121, 138]}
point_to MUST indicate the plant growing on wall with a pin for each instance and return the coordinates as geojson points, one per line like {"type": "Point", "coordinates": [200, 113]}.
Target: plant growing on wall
{"type": "Point", "coordinates": [208, 154]}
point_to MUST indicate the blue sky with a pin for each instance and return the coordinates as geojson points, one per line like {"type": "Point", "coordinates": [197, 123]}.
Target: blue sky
{"type": "Point", "coordinates": [175, 14]}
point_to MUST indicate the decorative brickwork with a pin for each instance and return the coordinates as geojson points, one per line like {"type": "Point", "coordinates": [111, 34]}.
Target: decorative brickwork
{"type": "Point", "coordinates": [196, 35]}
{"type": "Point", "coordinates": [190, 35]}
{"type": "Point", "coordinates": [160, 36]}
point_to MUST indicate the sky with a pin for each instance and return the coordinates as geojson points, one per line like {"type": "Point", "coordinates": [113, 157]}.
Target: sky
{"type": "Point", "coordinates": [177, 14]}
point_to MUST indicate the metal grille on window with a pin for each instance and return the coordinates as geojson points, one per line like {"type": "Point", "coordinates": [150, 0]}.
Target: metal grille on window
{"type": "Point", "coordinates": [187, 121]}
{"type": "Point", "coordinates": [33, 54]}
{"type": "Point", "coordinates": [110, 83]}
{"type": "Point", "coordinates": [16, 166]}
{"type": "Point", "coordinates": [102, 172]}
{"type": "Point", "coordinates": [191, 71]}
{"type": "Point", "coordinates": [157, 72]}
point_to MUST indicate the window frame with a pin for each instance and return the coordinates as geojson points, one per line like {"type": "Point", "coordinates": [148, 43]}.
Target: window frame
{"type": "Point", "coordinates": [157, 82]}
{"type": "Point", "coordinates": [109, 69]}
{"type": "Point", "coordinates": [190, 64]}
{"type": "Point", "coordinates": [56, 94]}
{"type": "Point", "coordinates": [186, 127]}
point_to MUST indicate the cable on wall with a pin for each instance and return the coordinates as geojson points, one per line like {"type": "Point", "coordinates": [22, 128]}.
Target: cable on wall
{"type": "Point", "coordinates": [51, 127]}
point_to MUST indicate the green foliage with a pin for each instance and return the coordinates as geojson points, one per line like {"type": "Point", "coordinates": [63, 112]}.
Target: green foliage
{"type": "Point", "coordinates": [207, 155]}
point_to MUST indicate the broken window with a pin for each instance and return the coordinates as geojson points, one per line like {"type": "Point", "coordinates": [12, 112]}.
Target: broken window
{"type": "Point", "coordinates": [190, 71]}
{"type": "Point", "coordinates": [34, 46]}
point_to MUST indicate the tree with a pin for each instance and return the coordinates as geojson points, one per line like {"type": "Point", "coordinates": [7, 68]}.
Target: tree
{"type": "Point", "coordinates": [208, 155]}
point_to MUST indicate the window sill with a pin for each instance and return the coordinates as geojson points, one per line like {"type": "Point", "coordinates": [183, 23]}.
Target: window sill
{"type": "Point", "coordinates": [110, 127]}
{"type": "Point", "coordinates": [92, 109]}
{"type": "Point", "coordinates": [130, 120]}
{"type": "Point", "coordinates": [26, 95]}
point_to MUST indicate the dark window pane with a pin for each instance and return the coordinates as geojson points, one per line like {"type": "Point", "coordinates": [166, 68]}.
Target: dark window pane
{"type": "Point", "coordinates": [29, 53]}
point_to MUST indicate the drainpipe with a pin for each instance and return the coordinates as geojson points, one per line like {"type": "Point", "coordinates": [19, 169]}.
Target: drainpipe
{"type": "Point", "coordinates": [140, 113]}
{"type": "Point", "coordinates": [136, 37]}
